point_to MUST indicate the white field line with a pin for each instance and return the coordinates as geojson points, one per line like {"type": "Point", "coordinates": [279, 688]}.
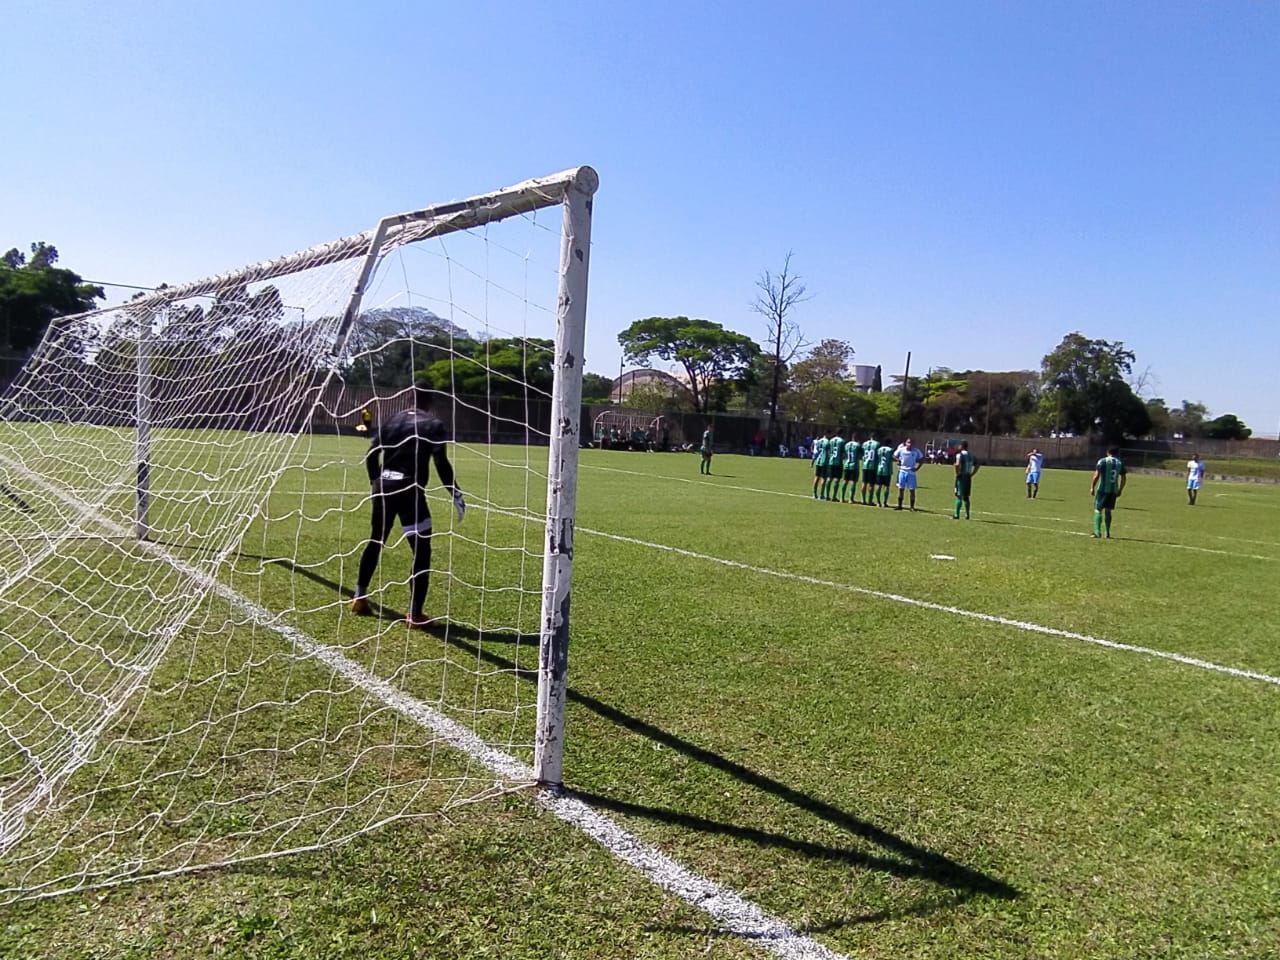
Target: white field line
{"type": "Point", "coordinates": [733, 912]}
{"type": "Point", "coordinates": [360, 496]}
{"type": "Point", "coordinates": [976, 513]}
{"type": "Point", "coordinates": [730, 910]}
{"type": "Point", "coordinates": [1250, 495]}
{"type": "Point", "coordinates": [944, 608]}
{"type": "Point", "coordinates": [1171, 546]}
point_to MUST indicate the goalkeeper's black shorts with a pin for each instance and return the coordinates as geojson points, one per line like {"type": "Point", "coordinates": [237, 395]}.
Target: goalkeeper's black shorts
{"type": "Point", "coordinates": [394, 499]}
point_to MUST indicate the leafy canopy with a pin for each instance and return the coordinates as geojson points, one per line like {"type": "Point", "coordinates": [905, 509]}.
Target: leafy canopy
{"type": "Point", "coordinates": [709, 353]}
{"type": "Point", "coordinates": [510, 367]}
{"type": "Point", "coordinates": [33, 292]}
{"type": "Point", "coordinates": [1085, 388]}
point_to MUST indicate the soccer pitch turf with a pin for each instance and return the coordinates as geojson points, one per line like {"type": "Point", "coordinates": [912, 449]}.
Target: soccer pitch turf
{"type": "Point", "coordinates": [899, 734]}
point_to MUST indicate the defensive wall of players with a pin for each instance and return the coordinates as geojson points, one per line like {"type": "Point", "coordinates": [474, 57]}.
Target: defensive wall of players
{"type": "Point", "coordinates": [526, 420]}
{"type": "Point", "coordinates": [520, 420]}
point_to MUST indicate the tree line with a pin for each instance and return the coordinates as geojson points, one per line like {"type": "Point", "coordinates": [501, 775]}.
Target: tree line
{"type": "Point", "coordinates": [1083, 386]}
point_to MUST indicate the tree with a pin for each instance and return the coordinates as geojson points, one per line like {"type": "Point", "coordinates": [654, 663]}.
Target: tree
{"type": "Point", "coordinates": [510, 367]}
{"type": "Point", "coordinates": [1161, 419]}
{"type": "Point", "coordinates": [709, 353]}
{"type": "Point", "coordinates": [1227, 427]}
{"type": "Point", "coordinates": [1188, 420]}
{"type": "Point", "coordinates": [33, 292]}
{"type": "Point", "coordinates": [888, 410]}
{"type": "Point", "coordinates": [755, 386]}
{"type": "Point", "coordinates": [820, 386]}
{"type": "Point", "coordinates": [386, 346]}
{"type": "Point", "coordinates": [778, 295]}
{"type": "Point", "coordinates": [1121, 413]}
{"type": "Point", "coordinates": [596, 388]}
{"type": "Point", "coordinates": [654, 396]}
{"type": "Point", "coordinates": [1084, 386]}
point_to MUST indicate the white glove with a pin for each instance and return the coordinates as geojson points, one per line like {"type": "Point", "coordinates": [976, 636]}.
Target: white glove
{"type": "Point", "coordinates": [458, 503]}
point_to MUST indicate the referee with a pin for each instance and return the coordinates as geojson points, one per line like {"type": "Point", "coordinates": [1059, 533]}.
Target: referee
{"type": "Point", "coordinates": [399, 466]}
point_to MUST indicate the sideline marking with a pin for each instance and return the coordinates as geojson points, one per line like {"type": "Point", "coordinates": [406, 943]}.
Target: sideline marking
{"type": "Point", "coordinates": [729, 909]}
{"type": "Point", "coordinates": [942, 607]}
{"type": "Point", "coordinates": [724, 905]}
{"type": "Point", "coordinates": [977, 513]}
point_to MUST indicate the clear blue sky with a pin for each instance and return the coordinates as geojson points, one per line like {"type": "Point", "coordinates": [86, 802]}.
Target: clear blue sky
{"type": "Point", "coordinates": [966, 181]}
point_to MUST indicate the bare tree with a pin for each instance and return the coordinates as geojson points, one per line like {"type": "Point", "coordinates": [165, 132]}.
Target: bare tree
{"type": "Point", "coordinates": [779, 293]}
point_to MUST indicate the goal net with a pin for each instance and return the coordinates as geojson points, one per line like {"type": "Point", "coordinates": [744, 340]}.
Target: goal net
{"type": "Point", "coordinates": [183, 505]}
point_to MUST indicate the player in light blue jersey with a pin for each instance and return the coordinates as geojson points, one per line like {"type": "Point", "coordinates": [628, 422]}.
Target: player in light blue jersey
{"type": "Point", "coordinates": [1195, 477]}
{"type": "Point", "coordinates": [909, 459]}
{"type": "Point", "coordinates": [1035, 460]}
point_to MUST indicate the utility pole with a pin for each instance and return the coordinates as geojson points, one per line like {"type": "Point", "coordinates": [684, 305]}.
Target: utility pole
{"type": "Point", "coordinates": [902, 396]}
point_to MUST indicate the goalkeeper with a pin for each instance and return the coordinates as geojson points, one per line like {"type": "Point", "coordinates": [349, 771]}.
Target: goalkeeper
{"type": "Point", "coordinates": [399, 466]}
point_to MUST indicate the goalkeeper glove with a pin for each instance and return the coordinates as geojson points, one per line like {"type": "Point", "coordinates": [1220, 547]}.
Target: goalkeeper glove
{"type": "Point", "coordinates": [459, 504]}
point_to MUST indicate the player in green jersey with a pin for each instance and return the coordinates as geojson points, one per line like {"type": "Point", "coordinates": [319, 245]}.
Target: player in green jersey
{"type": "Point", "coordinates": [852, 454]}
{"type": "Point", "coordinates": [1108, 483]}
{"type": "Point", "coordinates": [884, 473]}
{"type": "Point", "coordinates": [966, 467]}
{"type": "Point", "coordinates": [869, 448]}
{"type": "Point", "coordinates": [707, 449]}
{"type": "Point", "coordinates": [820, 461]}
{"type": "Point", "coordinates": [835, 460]}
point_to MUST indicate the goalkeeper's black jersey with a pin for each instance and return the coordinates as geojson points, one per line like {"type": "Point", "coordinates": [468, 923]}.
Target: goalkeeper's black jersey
{"type": "Point", "coordinates": [407, 443]}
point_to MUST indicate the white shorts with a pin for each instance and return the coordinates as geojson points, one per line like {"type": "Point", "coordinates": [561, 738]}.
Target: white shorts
{"type": "Point", "coordinates": [906, 479]}
{"type": "Point", "coordinates": [1193, 484]}
{"type": "Point", "coordinates": [1033, 476]}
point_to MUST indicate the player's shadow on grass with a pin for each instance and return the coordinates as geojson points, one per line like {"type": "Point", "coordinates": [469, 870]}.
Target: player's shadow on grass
{"type": "Point", "coordinates": [903, 858]}
{"type": "Point", "coordinates": [443, 629]}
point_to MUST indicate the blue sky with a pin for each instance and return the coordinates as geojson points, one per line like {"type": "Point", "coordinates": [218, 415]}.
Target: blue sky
{"type": "Point", "coordinates": [965, 181]}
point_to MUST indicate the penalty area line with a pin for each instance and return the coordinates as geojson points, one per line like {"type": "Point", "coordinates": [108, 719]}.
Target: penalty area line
{"type": "Point", "coordinates": [728, 908]}
{"type": "Point", "coordinates": [733, 912]}
{"type": "Point", "coordinates": [944, 608]}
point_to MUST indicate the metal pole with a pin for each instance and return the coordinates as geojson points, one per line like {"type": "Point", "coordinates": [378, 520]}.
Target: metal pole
{"type": "Point", "coordinates": [562, 479]}
{"type": "Point", "coordinates": [902, 396]}
{"type": "Point", "coordinates": [142, 408]}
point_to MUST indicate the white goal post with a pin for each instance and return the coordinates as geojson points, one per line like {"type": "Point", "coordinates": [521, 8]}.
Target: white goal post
{"type": "Point", "coordinates": [142, 443]}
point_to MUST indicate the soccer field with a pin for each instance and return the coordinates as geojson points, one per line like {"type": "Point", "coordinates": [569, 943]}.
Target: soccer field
{"type": "Point", "coordinates": [898, 734]}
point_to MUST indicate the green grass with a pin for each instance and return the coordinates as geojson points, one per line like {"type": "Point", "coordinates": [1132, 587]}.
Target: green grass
{"type": "Point", "coordinates": [1231, 467]}
{"type": "Point", "coordinates": [786, 695]}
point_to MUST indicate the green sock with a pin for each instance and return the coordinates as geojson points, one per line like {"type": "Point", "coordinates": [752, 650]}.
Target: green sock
{"type": "Point", "coordinates": [957, 513]}
{"type": "Point", "coordinates": [1097, 523]}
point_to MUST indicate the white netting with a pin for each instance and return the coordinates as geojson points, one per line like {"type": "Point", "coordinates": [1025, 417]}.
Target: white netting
{"type": "Point", "coordinates": [204, 695]}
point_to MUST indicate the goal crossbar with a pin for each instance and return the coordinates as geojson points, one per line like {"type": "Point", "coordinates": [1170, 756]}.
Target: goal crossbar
{"type": "Point", "coordinates": [434, 221]}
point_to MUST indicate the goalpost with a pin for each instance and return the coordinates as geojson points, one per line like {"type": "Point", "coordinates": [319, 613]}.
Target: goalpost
{"type": "Point", "coordinates": [183, 500]}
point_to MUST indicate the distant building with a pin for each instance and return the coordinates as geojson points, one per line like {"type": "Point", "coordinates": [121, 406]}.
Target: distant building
{"type": "Point", "coordinates": [624, 384]}
{"type": "Point", "coordinates": [864, 375]}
